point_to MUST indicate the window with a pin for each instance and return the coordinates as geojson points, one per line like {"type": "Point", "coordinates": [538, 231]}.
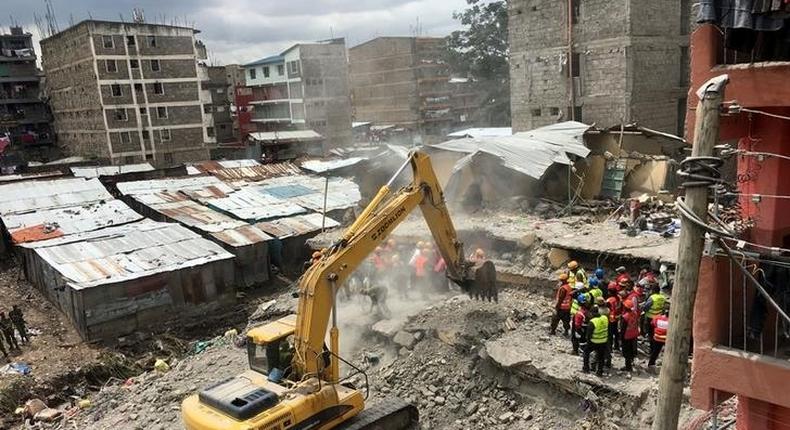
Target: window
{"type": "Point", "coordinates": [111, 66]}
{"type": "Point", "coordinates": [575, 11]}
{"type": "Point", "coordinates": [154, 65]}
{"type": "Point", "coordinates": [681, 116]}
{"type": "Point", "coordinates": [116, 90]}
{"type": "Point", "coordinates": [206, 108]}
{"type": "Point", "coordinates": [138, 87]}
{"type": "Point", "coordinates": [164, 135]}
{"type": "Point", "coordinates": [168, 158]}
{"type": "Point", "coordinates": [134, 64]}
{"type": "Point", "coordinates": [151, 41]}
{"type": "Point", "coordinates": [161, 112]}
{"type": "Point", "coordinates": [159, 88]}
{"type": "Point", "coordinates": [555, 111]}
{"type": "Point", "coordinates": [685, 17]}
{"type": "Point", "coordinates": [107, 42]}
{"type": "Point", "coordinates": [220, 108]}
{"type": "Point", "coordinates": [126, 137]}
{"type": "Point", "coordinates": [577, 113]}
{"type": "Point", "coordinates": [210, 131]}
{"type": "Point", "coordinates": [266, 72]}
{"type": "Point", "coordinates": [146, 135]}
{"type": "Point", "coordinates": [575, 65]}
{"type": "Point", "coordinates": [280, 70]}
{"type": "Point", "coordinates": [252, 73]}
{"type": "Point", "coordinates": [130, 41]}
{"type": "Point", "coordinates": [143, 111]}
{"type": "Point", "coordinates": [684, 66]}
{"type": "Point", "coordinates": [535, 112]}
{"type": "Point", "coordinates": [120, 115]}
{"type": "Point", "coordinates": [293, 67]}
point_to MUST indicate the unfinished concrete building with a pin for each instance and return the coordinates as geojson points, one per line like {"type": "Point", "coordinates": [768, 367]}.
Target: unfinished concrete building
{"type": "Point", "coordinates": [218, 107]}
{"type": "Point", "coordinates": [127, 92]}
{"type": "Point", "coordinates": [402, 81]}
{"type": "Point", "coordinates": [24, 117]}
{"type": "Point", "coordinates": [599, 61]}
{"type": "Point", "coordinates": [303, 88]}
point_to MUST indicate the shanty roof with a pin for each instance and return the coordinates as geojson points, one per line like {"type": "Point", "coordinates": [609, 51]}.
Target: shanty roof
{"type": "Point", "coordinates": [198, 185]}
{"type": "Point", "coordinates": [26, 176]}
{"type": "Point", "coordinates": [322, 166]}
{"type": "Point", "coordinates": [123, 253]}
{"type": "Point", "coordinates": [483, 132]}
{"type": "Point", "coordinates": [255, 173]}
{"type": "Point", "coordinates": [252, 204]}
{"type": "Point", "coordinates": [24, 196]}
{"type": "Point", "coordinates": [67, 160]}
{"type": "Point", "coordinates": [296, 225]}
{"type": "Point", "coordinates": [96, 171]}
{"type": "Point", "coordinates": [308, 191]}
{"type": "Point", "coordinates": [57, 222]}
{"type": "Point", "coordinates": [356, 124]}
{"type": "Point", "coordinates": [275, 136]}
{"type": "Point", "coordinates": [530, 152]}
{"type": "Point", "coordinates": [211, 165]}
{"type": "Point", "coordinates": [272, 59]}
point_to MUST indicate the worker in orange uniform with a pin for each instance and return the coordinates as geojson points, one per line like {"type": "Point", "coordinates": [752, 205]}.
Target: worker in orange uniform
{"type": "Point", "coordinates": [660, 328]}
{"type": "Point", "coordinates": [421, 271]}
{"type": "Point", "coordinates": [562, 306]}
{"type": "Point", "coordinates": [577, 272]}
{"type": "Point", "coordinates": [416, 253]}
{"type": "Point", "coordinates": [615, 305]}
{"type": "Point", "coordinates": [629, 327]}
{"type": "Point", "coordinates": [622, 275]}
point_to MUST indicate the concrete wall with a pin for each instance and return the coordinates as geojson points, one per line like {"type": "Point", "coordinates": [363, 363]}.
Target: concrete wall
{"type": "Point", "coordinates": [629, 63]}
{"type": "Point", "coordinates": [325, 83]}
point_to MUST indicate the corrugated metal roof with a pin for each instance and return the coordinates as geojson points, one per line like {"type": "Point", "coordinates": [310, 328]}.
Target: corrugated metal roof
{"type": "Point", "coordinates": [45, 224]}
{"type": "Point", "coordinates": [127, 252]}
{"type": "Point", "coordinates": [272, 59]}
{"type": "Point", "coordinates": [308, 191]}
{"type": "Point", "coordinates": [483, 132]}
{"type": "Point", "coordinates": [197, 183]}
{"type": "Point", "coordinates": [250, 204]}
{"type": "Point", "coordinates": [242, 236]}
{"type": "Point", "coordinates": [256, 173]}
{"type": "Point", "coordinates": [37, 195]}
{"type": "Point", "coordinates": [26, 176]}
{"type": "Point", "coordinates": [321, 166]}
{"type": "Point", "coordinates": [67, 160]}
{"type": "Point", "coordinates": [296, 225]}
{"type": "Point", "coordinates": [193, 214]}
{"type": "Point", "coordinates": [96, 171]}
{"type": "Point", "coordinates": [273, 136]}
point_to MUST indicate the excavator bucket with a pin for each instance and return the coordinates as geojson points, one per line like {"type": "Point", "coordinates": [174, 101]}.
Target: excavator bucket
{"type": "Point", "coordinates": [483, 286]}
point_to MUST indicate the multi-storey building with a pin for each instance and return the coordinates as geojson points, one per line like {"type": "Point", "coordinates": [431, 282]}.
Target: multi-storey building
{"type": "Point", "coordinates": [402, 81]}
{"type": "Point", "coordinates": [303, 88]}
{"type": "Point", "coordinates": [128, 92]}
{"type": "Point", "coordinates": [599, 61]}
{"type": "Point", "coordinates": [217, 104]}
{"type": "Point", "coordinates": [741, 341]}
{"type": "Point", "coordinates": [236, 79]}
{"type": "Point", "coordinates": [23, 114]}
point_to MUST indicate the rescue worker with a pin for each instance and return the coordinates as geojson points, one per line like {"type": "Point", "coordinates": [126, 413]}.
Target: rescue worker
{"type": "Point", "coordinates": [378, 300]}
{"type": "Point", "coordinates": [577, 272]}
{"type": "Point", "coordinates": [315, 258]}
{"type": "Point", "coordinates": [578, 290]}
{"type": "Point", "coordinates": [599, 274]}
{"type": "Point", "coordinates": [652, 308]}
{"type": "Point", "coordinates": [597, 335]}
{"type": "Point", "coordinates": [595, 289]}
{"type": "Point", "coordinates": [18, 319]}
{"type": "Point", "coordinates": [421, 272]}
{"type": "Point", "coordinates": [622, 275]}
{"type": "Point", "coordinates": [615, 305]}
{"type": "Point", "coordinates": [629, 327]}
{"type": "Point", "coordinates": [660, 327]}
{"type": "Point", "coordinates": [603, 310]}
{"type": "Point", "coordinates": [399, 277]}
{"type": "Point", "coordinates": [579, 334]}
{"type": "Point", "coordinates": [412, 260]}
{"type": "Point", "coordinates": [562, 306]}
{"type": "Point", "coordinates": [478, 256]}
{"type": "Point", "coordinates": [7, 327]}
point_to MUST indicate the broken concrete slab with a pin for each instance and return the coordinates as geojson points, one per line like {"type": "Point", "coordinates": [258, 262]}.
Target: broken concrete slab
{"type": "Point", "coordinates": [387, 328]}
{"type": "Point", "coordinates": [557, 257]}
{"type": "Point", "coordinates": [405, 339]}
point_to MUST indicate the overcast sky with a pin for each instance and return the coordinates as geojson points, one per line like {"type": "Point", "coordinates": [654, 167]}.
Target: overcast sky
{"type": "Point", "coordinates": [239, 31]}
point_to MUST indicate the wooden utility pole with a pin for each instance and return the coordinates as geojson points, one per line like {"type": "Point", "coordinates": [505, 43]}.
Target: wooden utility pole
{"type": "Point", "coordinates": [692, 240]}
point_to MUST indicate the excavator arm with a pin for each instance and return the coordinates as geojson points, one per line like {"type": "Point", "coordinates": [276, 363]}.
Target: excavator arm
{"type": "Point", "coordinates": [318, 287]}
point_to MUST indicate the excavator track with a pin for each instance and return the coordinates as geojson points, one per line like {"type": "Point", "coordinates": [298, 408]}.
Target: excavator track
{"type": "Point", "coordinates": [386, 414]}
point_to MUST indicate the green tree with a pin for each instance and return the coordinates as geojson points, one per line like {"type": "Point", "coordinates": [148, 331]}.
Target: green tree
{"type": "Point", "coordinates": [480, 51]}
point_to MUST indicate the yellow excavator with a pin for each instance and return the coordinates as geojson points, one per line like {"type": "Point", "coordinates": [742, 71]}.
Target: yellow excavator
{"type": "Point", "coordinates": [294, 380]}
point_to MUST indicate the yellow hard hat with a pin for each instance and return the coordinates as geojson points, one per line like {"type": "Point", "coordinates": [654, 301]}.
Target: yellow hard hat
{"type": "Point", "coordinates": [573, 265]}
{"type": "Point", "coordinates": [563, 276]}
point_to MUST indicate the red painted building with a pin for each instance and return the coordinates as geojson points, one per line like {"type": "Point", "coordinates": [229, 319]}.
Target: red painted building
{"type": "Point", "coordinates": [740, 348]}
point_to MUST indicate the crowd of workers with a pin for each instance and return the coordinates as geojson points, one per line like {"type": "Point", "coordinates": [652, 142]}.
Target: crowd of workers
{"type": "Point", "coordinates": [15, 321]}
{"type": "Point", "coordinates": [603, 314]}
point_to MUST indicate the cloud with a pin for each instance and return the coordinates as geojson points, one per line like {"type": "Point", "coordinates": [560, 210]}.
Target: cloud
{"type": "Point", "coordinates": [239, 31]}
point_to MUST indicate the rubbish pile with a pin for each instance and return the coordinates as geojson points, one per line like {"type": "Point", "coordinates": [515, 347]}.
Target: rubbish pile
{"type": "Point", "coordinates": [649, 215]}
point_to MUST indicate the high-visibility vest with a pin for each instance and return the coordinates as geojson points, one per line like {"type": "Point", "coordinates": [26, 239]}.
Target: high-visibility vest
{"type": "Point", "coordinates": [574, 306]}
{"type": "Point", "coordinates": [580, 275]}
{"type": "Point", "coordinates": [660, 327]}
{"type": "Point", "coordinates": [601, 329]}
{"type": "Point", "coordinates": [596, 292]}
{"type": "Point", "coordinates": [657, 306]}
{"type": "Point", "coordinates": [567, 299]}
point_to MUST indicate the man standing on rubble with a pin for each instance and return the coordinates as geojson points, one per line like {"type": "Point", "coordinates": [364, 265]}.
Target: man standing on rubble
{"type": "Point", "coordinates": [615, 305]}
{"type": "Point", "coordinates": [18, 319]}
{"type": "Point", "coordinates": [580, 320]}
{"type": "Point", "coordinates": [652, 308]}
{"type": "Point", "coordinates": [595, 290]}
{"type": "Point", "coordinates": [7, 327]}
{"type": "Point", "coordinates": [562, 307]}
{"type": "Point", "coordinates": [597, 336]}
{"type": "Point", "coordinates": [629, 327]}
{"type": "Point", "coordinates": [660, 327]}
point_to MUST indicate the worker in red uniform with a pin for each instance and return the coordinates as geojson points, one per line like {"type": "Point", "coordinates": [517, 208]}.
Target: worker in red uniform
{"type": "Point", "coordinates": [562, 306]}
{"type": "Point", "coordinates": [660, 328]}
{"type": "Point", "coordinates": [629, 327]}
{"type": "Point", "coordinates": [580, 321]}
{"type": "Point", "coordinates": [622, 275]}
{"type": "Point", "coordinates": [615, 305]}
{"type": "Point", "coordinates": [421, 271]}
